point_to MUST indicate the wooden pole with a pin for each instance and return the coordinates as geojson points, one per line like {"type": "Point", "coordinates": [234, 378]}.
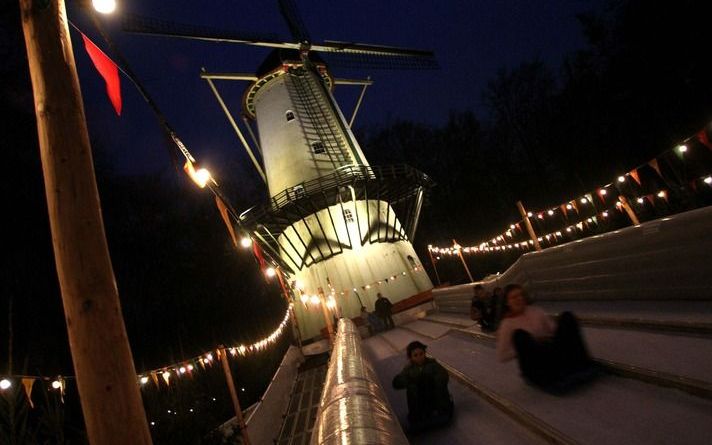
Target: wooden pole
{"type": "Point", "coordinates": [233, 395]}
{"type": "Point", "coordinates": [626, 206]}
{"type": "Point", "coordinates": [327, 316]}
{"type": "Point", "coordinates": [462, 258]}
{"type": "Point", "coordinates": [106, 378]}
{"type": "Point", "coordinates": [528, 223]}
{"type": "Point", "coordinates": [435, 268]}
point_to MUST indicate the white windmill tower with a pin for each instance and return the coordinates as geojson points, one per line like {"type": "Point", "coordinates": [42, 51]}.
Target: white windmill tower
{"type": "Point", "coordinates": [340, 228]}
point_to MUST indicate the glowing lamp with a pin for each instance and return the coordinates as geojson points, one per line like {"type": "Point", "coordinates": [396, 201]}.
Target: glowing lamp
{"type": "Point", "coordinates": [270, 272]}
{"type": "Point", "coordinates": [602, 192]}
{"type": "Point", "coordinates": [682, 148]}
{"type": "Point", "coordinates": [56, 384]}
{"type": "Point", "coordinates": [641, 200]}
{"type": "Point", "coordinates": [584, 200]}
{"type": "Point", "coordinates": [550, 212]}
{"type": "Point", "coordinates": [246, 242]}
{"type": "Point", "coordinates": [143, 380]}
{"type": "Point", "coordinates": [200, 176]}
{"type": "Point", "coordinates": [530, 214]}
{"type": "Point", "coordinates": [5, 384]}
{"type": "Point", "coordinates": [661, 194]}
{"type": "Point", "coordinates": [314, 300]}
{"type": "Point", "coordinates": [569, 207]}
{"type": "Point", "coordinates": [182, 369]}
{"type": "Point", "coordinates": [621, 179]}
{"type": "Point", "coordinates": [104, 6]}
{"type": "Point", "coordinates": [708, 180]}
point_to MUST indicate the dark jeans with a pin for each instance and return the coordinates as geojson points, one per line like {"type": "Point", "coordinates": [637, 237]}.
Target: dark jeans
{"type": "Point", "coordinates": [545, 363]}
{"type": "Point", "coordinates": [387, 321]}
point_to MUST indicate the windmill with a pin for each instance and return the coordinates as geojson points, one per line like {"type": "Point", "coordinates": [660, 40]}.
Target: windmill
{"type": "Point", "coordinates": [340, 228]}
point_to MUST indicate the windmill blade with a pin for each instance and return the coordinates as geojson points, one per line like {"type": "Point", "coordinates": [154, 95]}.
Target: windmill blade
{"type": "Point", "coordinates": [363, 48]}
{"type": "Point", "coordinates": [379, 62]}
{"type": "Point", "coordinates": [359, 55]}
{"type": "Point", "coordinates": [139, 24]}
{"type": "Point", "coordinates": [294, 20]}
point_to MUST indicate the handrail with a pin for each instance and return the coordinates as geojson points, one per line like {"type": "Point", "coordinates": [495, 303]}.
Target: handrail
{"type": "Point", "coordinates": [353, 407]}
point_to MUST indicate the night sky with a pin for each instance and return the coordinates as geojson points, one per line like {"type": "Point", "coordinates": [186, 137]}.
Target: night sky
{"type": "Point", "coordinates": [471, 39]}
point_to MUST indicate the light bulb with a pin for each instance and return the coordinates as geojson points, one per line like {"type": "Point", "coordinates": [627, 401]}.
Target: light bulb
{"type": "Point", "coordinates": [144, 380]}
{"type": "Point", "coordinates": [246, 242]}
{"type": "Point", "coordinates": [708, 180]}
{"type": "Point", "coordinates": [270, 272]}
{"type": "Point", "coordinates": [56, 384]}
{"type": "Point", "coordinates": [621, 179]}
{"type": "Point", "coordinates": [104, 6]}
{"type": "Point", "coordinates": [682, 148]}
{"type": "Point", "coordinates": [5, 384]}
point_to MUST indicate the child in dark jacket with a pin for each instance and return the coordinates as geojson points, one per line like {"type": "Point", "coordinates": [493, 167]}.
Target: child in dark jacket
{"type": "Point", "coordinates": [425, 382]}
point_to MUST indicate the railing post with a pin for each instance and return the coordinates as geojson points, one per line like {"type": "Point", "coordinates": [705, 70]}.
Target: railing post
{"type": "Point", "coordinates": [528, 223]}
{"type": "Point", "coordinates": [458, 248]}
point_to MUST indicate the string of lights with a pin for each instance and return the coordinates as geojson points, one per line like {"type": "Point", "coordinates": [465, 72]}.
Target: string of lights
{"type": "Point", "coordinates": [166, 373]}
{"type": "Point", "coordinates": [607, 194]}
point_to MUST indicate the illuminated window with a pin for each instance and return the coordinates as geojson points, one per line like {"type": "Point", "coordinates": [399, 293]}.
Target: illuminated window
{"type": "Point", "coordinates": [348, 216]}
{"type": "Point", "coordinates": [318, 147]}
{"type": "Point", "coordinates": [289, 115]}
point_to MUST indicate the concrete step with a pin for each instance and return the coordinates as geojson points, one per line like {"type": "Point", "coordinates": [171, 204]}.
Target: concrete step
{"type": "Point", "coordinates": [682, 362]}
{"type": "Point", "coordinates": [612, 410]}
{"type": "Point", "coordinates": [475, 420]}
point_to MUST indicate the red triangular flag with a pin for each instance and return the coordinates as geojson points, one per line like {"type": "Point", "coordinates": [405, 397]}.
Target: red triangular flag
{"type": "Point", "coordinates": [654, 164]}
{"type": "Point", "coordinates": [258, 254]}
{"type": "Point", "coordinates": [634, 174]}
{"type": "Point", "coordinates": [702, 137]}
{"type": "Point", "coordinates": [226, 218]}
{"type": "Point", "coordinates": [108, 70]}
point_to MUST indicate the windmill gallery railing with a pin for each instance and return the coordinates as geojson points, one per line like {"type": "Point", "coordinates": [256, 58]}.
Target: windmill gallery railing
{"type": "Point", "coordinates": [317, 219]}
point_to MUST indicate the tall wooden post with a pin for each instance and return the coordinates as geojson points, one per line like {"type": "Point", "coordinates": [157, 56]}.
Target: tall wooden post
{"type": "Point", "coordinates": [435, 268]}
{"type": "Point", "coordinates": [462, 258]}
{"type": "Point", "coordinates": [233, 395]}
{"type": "Point", "coordinates": [528, 223]}
{"type": "Point", "coordinates": [626, 206]}
{"type": "Point", "coordinates": [106, 378]}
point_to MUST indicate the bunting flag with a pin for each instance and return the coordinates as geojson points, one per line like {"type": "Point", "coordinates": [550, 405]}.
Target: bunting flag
{"type": "Point", "coordinates": [575, 206]}
{"type": "Point", "coordinates": [166, 377]}
{"type": "Point", "coordinates": [108, 70]}
{"type": "Point", "coordinates": [650, 199]}
{"type": "Point", "coordinates": [563, 210]}
{"type": "Point", "coordinates": [226, 218]}
{"type": "Point", "coordinates": [27, 384]}
{"type": "Point", "coordinates": [655, 166]}
{"type": "Point", "coordinates": [258, 254]}
{"type": "Point", "coordinates": [602, 196]}
{"type": "Point", "coordinates": [634, 174]}
{"type": "Point", "coordinates": [702, 137]}
{"type": "Point", "coordinates": [154, 377]}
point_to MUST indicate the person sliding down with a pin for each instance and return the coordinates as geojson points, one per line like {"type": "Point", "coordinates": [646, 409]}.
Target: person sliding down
{"type": "Point", "coordinates": [425, 381]}
{"type": "Point", "coordinates": [552, 356]}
